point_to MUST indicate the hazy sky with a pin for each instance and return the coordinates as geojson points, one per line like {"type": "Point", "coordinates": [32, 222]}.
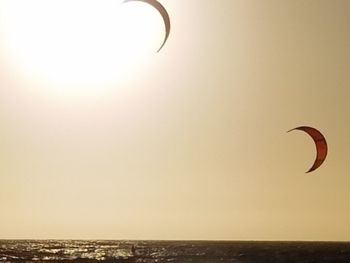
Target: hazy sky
{"type": "Point", "coordinates": [188, 143]}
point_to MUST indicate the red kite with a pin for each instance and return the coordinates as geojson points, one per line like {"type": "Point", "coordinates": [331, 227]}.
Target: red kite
{"type": "Point", "coordinates": [160, 8]}
{"type": "Point", "coordinates": [321, 145]}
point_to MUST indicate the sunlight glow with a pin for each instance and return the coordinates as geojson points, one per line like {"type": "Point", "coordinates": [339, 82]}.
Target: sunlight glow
{"type": "Point", "coordinates": [78, 46]}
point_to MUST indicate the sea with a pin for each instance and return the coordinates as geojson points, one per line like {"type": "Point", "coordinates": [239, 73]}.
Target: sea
{"type": "Point", "coordinates": [172, 251]}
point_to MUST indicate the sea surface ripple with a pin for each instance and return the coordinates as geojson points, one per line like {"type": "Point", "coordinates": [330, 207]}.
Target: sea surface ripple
{"type": "Point", "coordinates": [172, 251]}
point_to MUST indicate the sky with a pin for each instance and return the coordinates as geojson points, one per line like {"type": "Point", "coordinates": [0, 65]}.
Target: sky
{"type": "Point", "coordinates": [104, 138]}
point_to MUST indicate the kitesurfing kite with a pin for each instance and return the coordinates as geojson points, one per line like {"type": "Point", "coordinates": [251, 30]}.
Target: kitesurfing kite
{"type": "Point", "coordinates": [320, 143]}
{"type": "Point", "coordinates": [162, 11]}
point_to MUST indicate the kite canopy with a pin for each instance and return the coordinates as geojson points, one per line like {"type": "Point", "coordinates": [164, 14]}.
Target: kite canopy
{"type": "Point", "coordinates": [163, 13]}
{"type": "Point", "coordinates": [320, 143]}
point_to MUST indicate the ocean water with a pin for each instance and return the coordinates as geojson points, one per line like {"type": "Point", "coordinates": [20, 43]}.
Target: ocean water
{"type": "Point", "coordinates": [172, 251]}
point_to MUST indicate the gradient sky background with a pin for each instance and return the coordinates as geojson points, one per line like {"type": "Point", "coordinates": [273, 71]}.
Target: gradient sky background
{"type": "Point", "coordinates": [191, 142]}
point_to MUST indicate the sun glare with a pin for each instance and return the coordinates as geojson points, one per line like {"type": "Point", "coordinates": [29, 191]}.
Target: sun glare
{"type": "Point", "coordinates": [76, 46]}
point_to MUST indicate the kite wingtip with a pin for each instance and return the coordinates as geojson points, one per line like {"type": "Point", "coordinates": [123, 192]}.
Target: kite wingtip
{"type": "Point", "coordinates": [310, 170]}
{"type": "Point", "coordinates": [160, 48]}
